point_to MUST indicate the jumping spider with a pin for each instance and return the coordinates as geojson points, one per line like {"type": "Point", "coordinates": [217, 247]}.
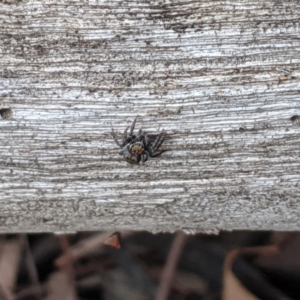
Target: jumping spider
{"type": "Point", "coordinates": [139, 147]}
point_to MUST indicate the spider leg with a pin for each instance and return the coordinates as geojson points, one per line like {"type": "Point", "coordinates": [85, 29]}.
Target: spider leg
{"type": "Point", "coordinates": [140, 132]}
{"type": "Point", "coordinates": [152, 148]}
{"type": "Point", "coordinates": [125, 137]}
{"type": "Point", "coordinates": [125, 131]}
{"type": "Point", "coordinates": [155, 154]}
{"type": "Point", "coordinates": [146, 139]}
{"type": "Point", "coordinates": [128, 137]}
{"type": "Point", "coordinates": [141, 136]}
{"type": "Point", "coordinates": [113, 134]}
{"type": "Point", "coordinates": [144, 156]}
{"type": "Point", "coordinates": [132, 126]}
{"type": "Point", "coordinates": [159, 140]}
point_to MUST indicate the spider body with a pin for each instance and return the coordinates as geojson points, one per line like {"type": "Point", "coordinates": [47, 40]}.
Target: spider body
{"type": "Point", "coordinates": [139, 147]}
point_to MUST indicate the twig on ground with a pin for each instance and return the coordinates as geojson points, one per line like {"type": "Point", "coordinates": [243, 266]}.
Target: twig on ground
{"type": "Point", "coordinates": [170, 266]}
{"type": "Point", "coordinates": [68, 268]}
{"type": "Point", "coordinates": [87, 246]}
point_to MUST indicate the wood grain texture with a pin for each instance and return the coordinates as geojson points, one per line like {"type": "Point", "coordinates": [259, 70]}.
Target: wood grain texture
{"type": "Point", "coordinates": [222, 78]}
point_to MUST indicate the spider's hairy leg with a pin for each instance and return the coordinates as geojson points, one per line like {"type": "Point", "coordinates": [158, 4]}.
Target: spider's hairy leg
{"type": "Point", "coordinates": [144, 156]}
{"type": "Point", "coordinates": [155, 154]}
{"type": "Point", "coordinates": [141, 136]}
{"type": "Point", "coordinates": [125, 151]}
{"type": "Point", "coordinates": [113, 134]}
{"type": "Point", "coordinates": [152, 148]}
{"type": "Point", "coordinates": [159, 140]}
{"type": "Point", "coordinates": [125, 137]}
{"type": "Point", "coordinates": [125, 131]}
{"type": "Point", "coordinates": [140, 132]}
{"type": "Point", "coordinates": [132, 126]}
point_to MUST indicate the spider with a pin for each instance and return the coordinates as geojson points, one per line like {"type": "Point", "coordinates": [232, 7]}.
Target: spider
{"type": "Point", "coordinates": [139, 147]}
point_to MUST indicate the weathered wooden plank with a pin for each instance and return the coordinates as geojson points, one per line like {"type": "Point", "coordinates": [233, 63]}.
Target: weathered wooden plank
{"type": "Point", "coordinates": [221, 77]}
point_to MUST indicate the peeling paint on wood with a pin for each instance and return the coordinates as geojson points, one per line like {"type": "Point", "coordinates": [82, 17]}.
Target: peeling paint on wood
{"type": "Point", "coordinates": [221, 77]}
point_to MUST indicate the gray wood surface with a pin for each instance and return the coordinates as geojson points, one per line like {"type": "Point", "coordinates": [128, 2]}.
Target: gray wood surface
{"type": "Point", "coordinates": [221, 77]}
